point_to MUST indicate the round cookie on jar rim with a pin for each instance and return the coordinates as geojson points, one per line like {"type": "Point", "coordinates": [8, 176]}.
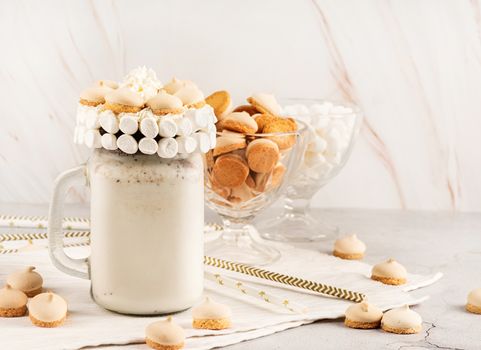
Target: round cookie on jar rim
{"type": "Point", "coordinates": [94, 95]}
{"type": "Point", "coordinates": [123, 100]}
{"type": "Point", "coordinates": [163, 104]}
{"type": "Point", "coordinates": [191, 97]}
{"type": "Point", "coordinates": [389, 272]}
{"type": "Point", "coordinates": [349, 247]}
{"type": "Point", "coordinates": [13, 302]}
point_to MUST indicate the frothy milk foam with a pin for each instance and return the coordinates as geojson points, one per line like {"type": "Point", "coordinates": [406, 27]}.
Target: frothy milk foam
{"type": "Point", "coordinates": [147, 217]}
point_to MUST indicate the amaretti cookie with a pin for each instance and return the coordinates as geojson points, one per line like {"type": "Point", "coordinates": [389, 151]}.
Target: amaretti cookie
{"type": "Point", "coordinates": [474, 301]}
{"type": "Point", "coordinates": [246, 108]}
{"type": "Point", "coordinates": [163, 104]}
{"type": "Point", "coordinates": [262, 155]}
{"type": "Point", "coordinates": [211, 315]}
{"type": "Point", "coordinates": [230, 170]}
{"type": "Point", "coordinates": [228, 142]}
{"type": "Point", "coordinates": [191, 97]}
{"type": "Point", "coordinates": [265, 103]}
{"type": "Point", "coordinates": [123, 100]}
{"type": "Point", "coordinates": [94, 95]}
{"type": "Point", "coordinates": [221, 102]}
{"type": "Point", "coordinates": [349, 247]}
{"type": "Point", "coordinates": [402, 320]}
{"type": "Point", "coordinates": [282, 125]}
{"type": "Point", "coordinates": [165, 335]}
{"type": "Point", "coordinates": [13, 302]}
{"type": "Point", "coordinates": [47, 310]}
{"type": "Point", "coordinates": [27, 280]}
{"type": "Point", "coordinates": [363, 316]}
{"type": "Point", "coordinates": [240, 122]}
{"type": "Point", "coordinates": [389, 272]}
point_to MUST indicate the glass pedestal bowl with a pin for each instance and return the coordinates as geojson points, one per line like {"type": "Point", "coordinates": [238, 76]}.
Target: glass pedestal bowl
{"type": "Point", "coordinates": [330, 136]}
{"type": "Point", "coordinates": [238, 193]}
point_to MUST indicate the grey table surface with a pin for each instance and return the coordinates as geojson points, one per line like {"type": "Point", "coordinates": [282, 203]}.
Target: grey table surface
{"type": "Point", "coordinates": [425, 242]}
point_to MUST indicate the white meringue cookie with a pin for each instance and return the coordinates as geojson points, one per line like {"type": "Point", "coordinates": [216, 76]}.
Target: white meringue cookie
{"type": "Point", "coordinates": [92, 139]}
{"type": "Point", "coordinates": [187, 144]}
{"type": "Point", "coordinates": [148, 146]}
{"type": "Point", "coordinates": [109, 142]}
{"type": "Point", "coordinates": [127, 144]}
{"type": "Point", "coordinates": [168, 148]}
{"type": "Point", "coordinates": [108, 121]}
{"type": "Point", "coordinates": [129, 123]}
{"type": "Point", "coordinates": [149, 127]}
{"type": "Point", "coordinates": [167, 127]}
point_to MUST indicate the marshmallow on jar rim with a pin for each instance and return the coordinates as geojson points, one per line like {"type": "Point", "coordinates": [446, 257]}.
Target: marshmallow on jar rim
{"type": "Point", "coordinates": [199, 118]}
{"type": "Point", "coordinates": [93, 139]}
{"type": "Point", "coordinates": [402, 320]}
{"type": "Point", "coordinates": [148, 146]}
{"type": "Point", "coordinates": [167, 126]}
{"type": "Point", "coordinates": [109, 121]}
{"type": "Point", "coordinates": [203, 141]}
{"type": "Point", "coordinates": [187, 144]}
{"type": "Point", "coordinates": [129, 123]}
{"type": "Point", "coordinates": [149, 127]}
{"type": "Point", "coordinates": [127, 144]}
{"type": "Point", "coordinates": [92, 118]}
{"type": "Point", "coordinates": [184, 126]}
{"type": "Point", "coordinates": [109, 142]}
{"type": "Point", "coordinates": [167, 148]}
{"type": "Point", "coordinates": [349, 247]}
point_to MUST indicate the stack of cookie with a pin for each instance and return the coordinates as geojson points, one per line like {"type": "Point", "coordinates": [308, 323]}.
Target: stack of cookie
{"type": "Point", "coordinates": [253, 145]}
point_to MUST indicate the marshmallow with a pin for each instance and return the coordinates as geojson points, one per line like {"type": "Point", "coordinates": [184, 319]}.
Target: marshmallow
{"type": "Point", "coordinates": [184, 127]}
{"type": "Point", "coordinates": [129, 123]}
{"type": "Point", "coordinates": [198, 117]}
{"type": "Point", "coordinates": [213, 139]}
{"type": "Point", "coordinates": [187, 144]}
{"type": "Point", "coordinates": [92, 139]}
{"type": "Point", "coordinates": [317, 144]}
{"type": "Point", "coordinates": [127, 144]}
{"type": "Point", "coordinates": [92, 119]}
{"type": "Point", "coordinates": [203, 141]}
{"type": "Point", "coordinates": [81, 114]}
{"type": "Point", "coordinates": [168, 148]}
{"type": "Point", "coordinates": [148, 146]}
{"type": "Point", "coordinates": [109, 122]}
{"type": "Point", "coordinates": [109, 141]}
{"type": "Point", "coordinates": [149, 127]}
{"type": "Point", "coordinates": [320, 109]}
{"type": "Point", "coordinates": [167, 127]}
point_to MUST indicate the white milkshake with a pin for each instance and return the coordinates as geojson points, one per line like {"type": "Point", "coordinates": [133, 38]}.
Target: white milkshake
{"type": "Point", "coordinates": [147, 217]}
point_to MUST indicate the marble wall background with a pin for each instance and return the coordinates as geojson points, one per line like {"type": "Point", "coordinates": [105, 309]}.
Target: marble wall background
{"type": "Point", "coordinates": [414, 67]}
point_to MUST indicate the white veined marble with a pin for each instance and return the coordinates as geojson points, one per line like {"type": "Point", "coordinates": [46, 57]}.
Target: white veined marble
{"type": "Point", "coordinates": [414, 67]}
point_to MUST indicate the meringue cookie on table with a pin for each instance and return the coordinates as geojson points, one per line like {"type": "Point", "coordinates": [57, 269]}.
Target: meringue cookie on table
{"type": "Point", "coordinates": [389, 272]}
{"type": "Point", "coordinates": [211, 315]}
{"type": "Point", "coordinates": [402, 320]}
{"type": "Point", "coordinates": [349, 247]}
{"type": "Point", "coordinates": [363, 316]}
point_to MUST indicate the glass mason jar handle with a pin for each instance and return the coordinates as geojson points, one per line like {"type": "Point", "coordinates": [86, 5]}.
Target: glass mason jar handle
{"type": "Point", "coordinates": [74, 267]}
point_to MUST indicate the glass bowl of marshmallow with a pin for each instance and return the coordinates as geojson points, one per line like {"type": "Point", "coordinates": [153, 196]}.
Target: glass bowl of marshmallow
{"type": "Point", "coordinates": [331, 132]}
{"type": "Point", "coordinates": [255, 153]}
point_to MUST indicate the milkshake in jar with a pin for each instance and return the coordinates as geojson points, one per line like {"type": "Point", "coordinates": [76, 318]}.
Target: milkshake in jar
{"type": "Point", "coordinates": [145, 176]}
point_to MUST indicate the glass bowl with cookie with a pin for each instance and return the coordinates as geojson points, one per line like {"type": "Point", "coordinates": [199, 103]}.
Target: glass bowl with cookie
{"type": "Point", "coordinates": [256, 151]}
{"type": "Point", "coordinates": [332, 129]}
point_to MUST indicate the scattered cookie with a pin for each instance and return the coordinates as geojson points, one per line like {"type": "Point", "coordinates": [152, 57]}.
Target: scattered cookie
{"type": "Point", "coordinates": [47, 310]}
{"type": "Point", "coordinates": [363, 316]}
{"type": "Point", "coordinates": [240, 122]}
{"type": "Point", "coordinates": [230, 170]}
{"type": "Point", "coordinates": [191, 97]}
{"type": "Point", "coordinates": [26, 280]}
{"type": "Point", "coordinates": [165, 335]}
{"type": "Point", "coordinates": [229, 142]}
{"type": "Point", "coordinates": [246, 108]}
{"type": "Point", "coordinates": [221, 102]}
{"type": "Point", "coordinates": [402, 320]}
{"type": "Point", "coordinates": [163, 103]}
{"type": "Point", "coordinates": [282, 125]}
{"type": "Point", "coordinates": [389, 272]}
{"type": "Point", "coordinates": [349, 247]}
{"type": "Point", "coordinates": [13, 302]}
{"type": "Point", "coordinates": [474, 301]}
{"type": "Point", "coordinates": [123, 100]}
{"type": "Point", "coordinates": [262, 155]}
{"type": "Point", "coordinates": [211, 315]}
{"type": "Point", "coordinates": [94, 96]}
{"type": "Point", "coordinates": [265, 103]}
